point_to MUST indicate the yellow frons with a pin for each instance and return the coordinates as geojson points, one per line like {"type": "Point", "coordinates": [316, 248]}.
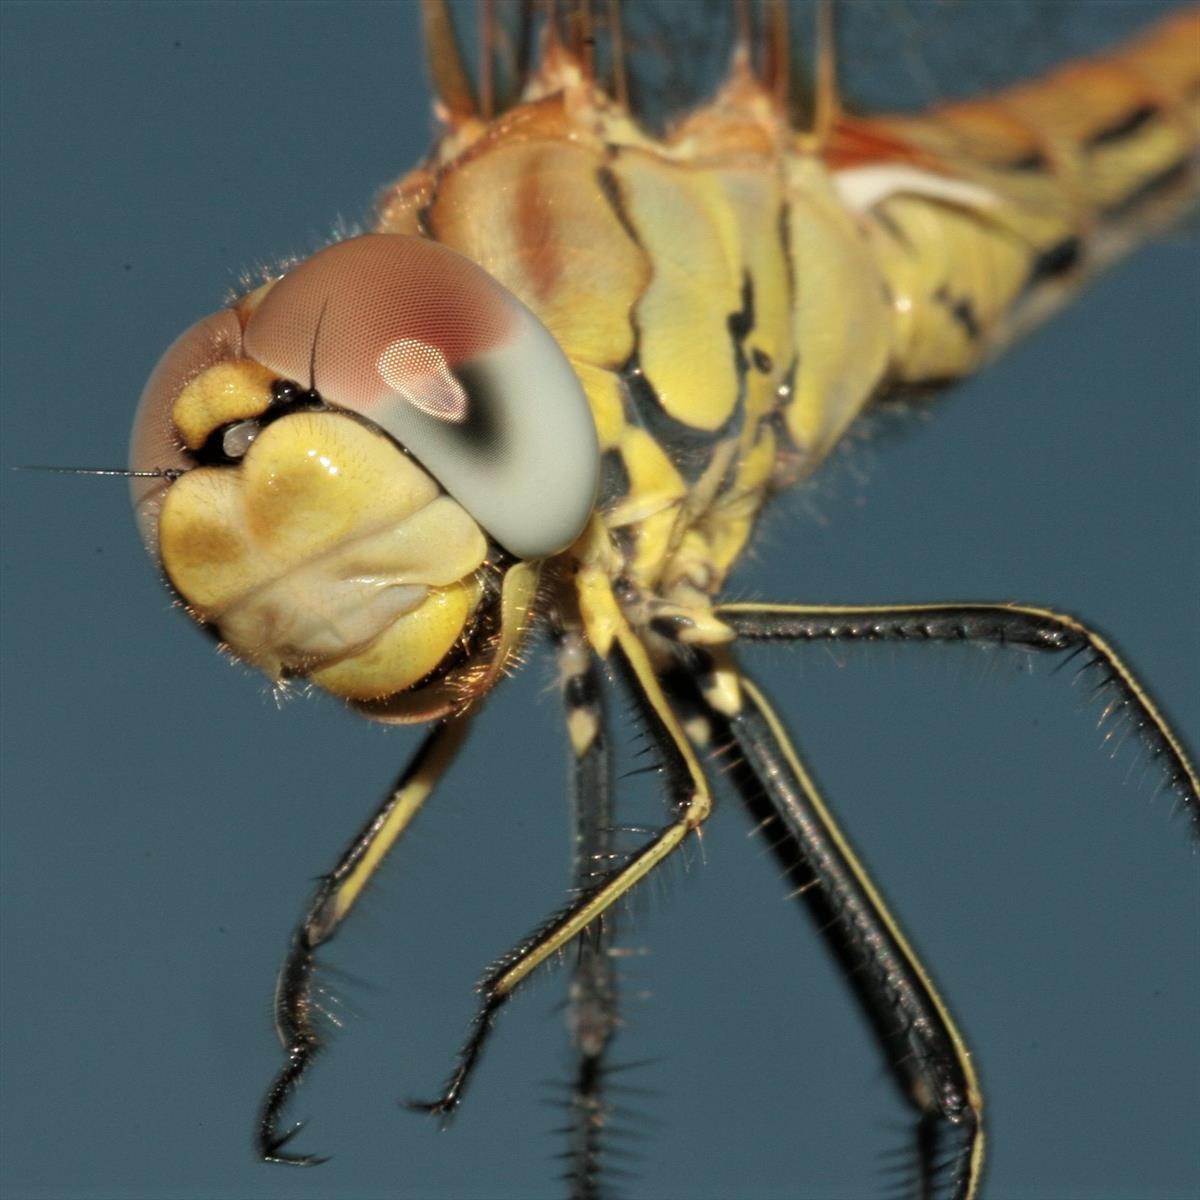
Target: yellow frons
{"type": "Point", "coordinates": [203, 540]}
{"type": "Point", "coordinates": [327, 550]}
{"type": "Point", "coordinates": [225, 392]}
{"type": "Point", "coordinates": [313, 478]}
{"type": "Point", "coordinates": [307, 482]}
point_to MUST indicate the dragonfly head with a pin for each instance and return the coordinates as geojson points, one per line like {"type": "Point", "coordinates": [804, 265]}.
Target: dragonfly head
{"type": "Point", "coordinates": [350, 456]}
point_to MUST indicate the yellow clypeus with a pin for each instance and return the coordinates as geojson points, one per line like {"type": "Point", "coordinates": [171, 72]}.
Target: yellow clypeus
{"type": "Point", "coordinates": [312, 549]}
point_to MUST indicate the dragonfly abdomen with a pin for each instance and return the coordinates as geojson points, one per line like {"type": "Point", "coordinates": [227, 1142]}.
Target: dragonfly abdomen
{"type": "Point", "coordinates": [987, 215]}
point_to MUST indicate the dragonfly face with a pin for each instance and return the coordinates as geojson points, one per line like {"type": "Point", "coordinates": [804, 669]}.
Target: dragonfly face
{"type": "Point", "coordinates": [335, 450]}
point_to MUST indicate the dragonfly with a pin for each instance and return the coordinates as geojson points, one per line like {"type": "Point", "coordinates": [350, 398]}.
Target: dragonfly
{"type": "Point", "coordinates": [688, 923]}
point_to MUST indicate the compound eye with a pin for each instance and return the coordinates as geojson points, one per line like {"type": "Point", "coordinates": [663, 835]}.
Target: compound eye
{"type": "Point", "coordinates": [155, 444]}
{"type": "Point", "coordinates": [431, 349]}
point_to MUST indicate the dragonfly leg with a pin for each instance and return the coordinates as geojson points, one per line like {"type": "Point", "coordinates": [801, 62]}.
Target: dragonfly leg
{"type": "Point", "coordinates": [924, 1049]}
{"type": "Point", "coordinates": [447, 67]}
{"type": "Point", "coordinates": [592, 997]}
{"type": "Point", "coordinates": [691, 801]}
{"type": "Point", "coordinates": [1012, 624]}
{"type": "Point", "coordinates": [336, 895]}
{"type": "Point", "coordinates": [616, 42]}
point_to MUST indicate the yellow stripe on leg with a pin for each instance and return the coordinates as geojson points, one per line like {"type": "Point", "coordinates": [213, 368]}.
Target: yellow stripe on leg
{"type": "Point", "coordinates": [603, 611]}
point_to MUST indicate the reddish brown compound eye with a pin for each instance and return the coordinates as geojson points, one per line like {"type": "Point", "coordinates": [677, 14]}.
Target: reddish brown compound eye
{"type": "Point", "coordinates": [155, 443]}
{"type": "Point", "coordinates": [430, 348]}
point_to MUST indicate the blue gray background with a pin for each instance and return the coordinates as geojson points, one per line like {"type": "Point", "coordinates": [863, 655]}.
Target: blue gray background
{"type": "Point", "coordinates": [163, 820]}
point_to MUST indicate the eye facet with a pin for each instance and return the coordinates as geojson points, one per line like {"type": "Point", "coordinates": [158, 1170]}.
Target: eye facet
{"type": "Point", "coordinates": [157, 443]}
{"type": "Point", "coordinates": [427, 346]}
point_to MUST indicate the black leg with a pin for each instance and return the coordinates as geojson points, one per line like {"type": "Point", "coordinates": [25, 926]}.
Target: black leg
{"type": "Point", "coordinates": [691, 802]}
{"type": "Point", "coordinates": [592, 1011]}
{"type": "Point", "coordinates": [924, 1050]}
{"type": "Point", "coordinates": [1012, 624]}
{"type": "Point", "coordinates": [336, 895]}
